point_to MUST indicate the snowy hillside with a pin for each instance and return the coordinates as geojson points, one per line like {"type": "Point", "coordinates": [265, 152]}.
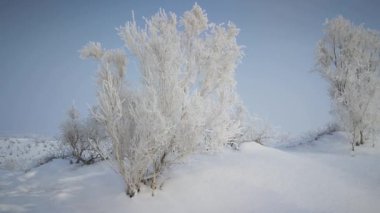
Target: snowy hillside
{"type": "Point", "coordinates": [23, 153]}
{"type": "Point", "coordinates": [321, 176]}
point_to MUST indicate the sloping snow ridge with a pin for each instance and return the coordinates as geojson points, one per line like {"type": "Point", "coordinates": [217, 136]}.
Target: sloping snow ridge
{"type": "Point", "coordinates": [322, 176]}
{"type": "Point", "coordinates": [23, 153]}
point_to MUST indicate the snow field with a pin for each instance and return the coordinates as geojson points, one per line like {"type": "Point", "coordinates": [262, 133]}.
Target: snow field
{"type": "Point", "coordinates": [321, 176]}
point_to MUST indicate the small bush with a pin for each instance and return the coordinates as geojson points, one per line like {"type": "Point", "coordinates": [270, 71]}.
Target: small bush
{"type": "Point", "coordinates": [83, 137]}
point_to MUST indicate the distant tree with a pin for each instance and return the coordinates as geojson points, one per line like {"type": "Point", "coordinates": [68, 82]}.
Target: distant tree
{"type": "Point", "coordinates": [83, 137]}
{"type": "Point", "coordinates": [256, 130]}
{"type": "Point", "coordinates": [348, 57]}
{"type": "Point", "coordinates": [186, 100]}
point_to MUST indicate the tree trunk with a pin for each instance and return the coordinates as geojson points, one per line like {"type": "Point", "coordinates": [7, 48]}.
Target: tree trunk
{"type": "Point", "coordinates": [130, 191]}
{"type": "Point", "coordinates": [361, 137]}
{"type": "Point", "coordinates": [357, 139]}
{"type": "Point", "coordinates": [353, 141]}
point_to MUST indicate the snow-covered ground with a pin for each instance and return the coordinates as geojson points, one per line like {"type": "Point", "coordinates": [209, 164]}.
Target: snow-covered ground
{"type": "Point", "coordinates": [322, 176]}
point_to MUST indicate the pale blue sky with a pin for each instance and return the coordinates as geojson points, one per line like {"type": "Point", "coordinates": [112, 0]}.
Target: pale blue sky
{"type": "Point", "coordinates": [41, 73]}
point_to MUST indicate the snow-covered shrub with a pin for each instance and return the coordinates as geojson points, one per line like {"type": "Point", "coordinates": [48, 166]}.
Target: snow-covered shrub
{"type": "Point", "coordinates": [256, 130]}
{"type": "Point", "coordinates": [348, 57]}
{"type": "Point", "coordinates": [186, 100]}
{"type": "Point", "coordinates": [83, 137]}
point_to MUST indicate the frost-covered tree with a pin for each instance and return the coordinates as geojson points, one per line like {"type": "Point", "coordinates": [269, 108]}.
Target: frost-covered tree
{"type": "Point", "coordinates": [256, 130]}
{"type": "Point", "coordinates": [83, 137]}
{"type": "Point", "coordinates": [348, 57]}
{"type": "Point", "coordinates": [186, 100]}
